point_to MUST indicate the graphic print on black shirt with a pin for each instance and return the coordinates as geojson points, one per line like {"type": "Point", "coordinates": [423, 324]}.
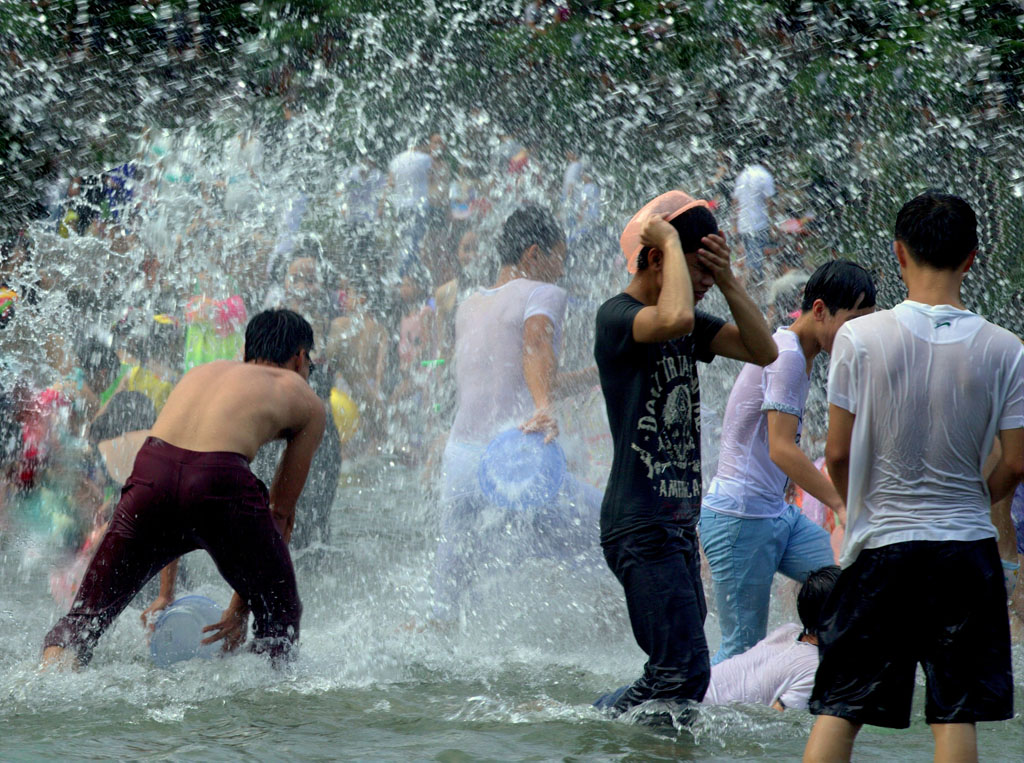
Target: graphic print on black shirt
{"type": "Point", "coordinates": [653, 399]}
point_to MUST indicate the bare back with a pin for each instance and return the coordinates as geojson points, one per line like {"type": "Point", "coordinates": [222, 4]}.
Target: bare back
{"type": "Point", "coordinates": [237, 407]}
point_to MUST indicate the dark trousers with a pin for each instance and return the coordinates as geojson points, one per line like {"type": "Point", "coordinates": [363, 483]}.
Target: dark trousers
{"type": "Point", "coordinates": [177, 501]}
{"type": "Point", "coordinates": [659, 568]}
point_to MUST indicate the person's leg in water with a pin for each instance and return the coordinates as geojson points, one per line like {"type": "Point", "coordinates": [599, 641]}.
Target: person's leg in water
{"type": "Point", "coordinates": [455, 562]}
{"type": "Point", "coordinates": [831, 740]}
{"type": "Point", "coordinates": [239, 533]}
{"type": "Point", "coordinates": [145, 534]}
{"type": "Point", "coordinates": [744, 555]}
{"type": "Point", "coordinates": [660, 573]}
{"type": "Point", "coordinates": [955, 742]}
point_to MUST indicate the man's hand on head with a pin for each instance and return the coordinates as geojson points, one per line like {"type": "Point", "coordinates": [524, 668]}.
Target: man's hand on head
{"type": "Point", "coordinates": [715, 256]}
{"type": "Point", "coordinates": [657, 233]}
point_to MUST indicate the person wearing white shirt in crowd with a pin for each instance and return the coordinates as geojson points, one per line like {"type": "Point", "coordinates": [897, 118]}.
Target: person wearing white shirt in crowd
{"type": "Point", "coordinates": [779, 670]}
{"type": "Point", "coordinates": [409, 177]}
{"type": "Point", "coordinates": [507, 340]}
{"type": "Point", "coordinates": [747, 528]}
{"type": "Point", "coordinates": [753, 211]}
{"type": "Point", "coordinates": [917, 395]}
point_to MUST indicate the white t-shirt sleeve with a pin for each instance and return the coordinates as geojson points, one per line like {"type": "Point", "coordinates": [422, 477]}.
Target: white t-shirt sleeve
{"type": "Point", "coordinates": [796, 695]}
{"type": "Point", "coordinates": [842, 372]}
{"type": "Point", "coordinates": [1013, 409]}
{"type": "Point", "coordinates": [547, 300]}
{"type": "Point", "coordinates": [768, 186]}
{"type": "Point", "coordinates": [785, 384]}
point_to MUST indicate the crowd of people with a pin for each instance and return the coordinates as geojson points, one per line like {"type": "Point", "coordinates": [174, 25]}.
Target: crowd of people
{"type": "Point", "coordinates": [185, 356]}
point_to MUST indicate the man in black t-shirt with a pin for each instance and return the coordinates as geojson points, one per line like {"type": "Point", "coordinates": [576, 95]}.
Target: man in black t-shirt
{"type": "Point", "coordinates": [649, 339]}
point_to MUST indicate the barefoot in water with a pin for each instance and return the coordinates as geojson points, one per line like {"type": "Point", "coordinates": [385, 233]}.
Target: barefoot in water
{"type": "Point", "coordinates": [58, 658]}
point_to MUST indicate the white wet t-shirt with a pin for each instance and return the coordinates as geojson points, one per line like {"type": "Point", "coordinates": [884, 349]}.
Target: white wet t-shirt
{"type": "Point", "coordinates": [748, 483]}
{"type": "Point", "coordinates": [930, 386]}
{"type": "Point", "coordinates": [410, 171]}
{"type": "Point", "coordinates": [491, 389]}
{"type": "Point", "coordinates": [754, 186]}
{"type": "Point", "coordinates": [779, 668]}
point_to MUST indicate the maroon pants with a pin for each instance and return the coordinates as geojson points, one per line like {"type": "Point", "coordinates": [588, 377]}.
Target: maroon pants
{"type": "Point", "coordinates": [178, 501]}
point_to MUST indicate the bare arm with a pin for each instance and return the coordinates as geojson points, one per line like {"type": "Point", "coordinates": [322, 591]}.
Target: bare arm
{"type": "Point", "coordinates": [672, 316]}
{"type": "Point", "coordinates": [748, 339]}
{"type": "Point", "coordinates": [786, 454]}
{"type": "Point", "coordinates": [293, 468]}
{"type": "Point", "coordinates": [168, 578]}
{"type": "Point", "coordinates": [1002, 481]}
{"type": "Point", "coordinates": [539, 367]}
{"type": "Point", "coordinates": [837, 448]}
{"type": "Point", "coordinates": [1009, 469]}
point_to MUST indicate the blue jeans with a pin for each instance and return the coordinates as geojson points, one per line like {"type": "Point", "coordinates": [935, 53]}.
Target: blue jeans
{"type": "Point", "coordinates": [744, 555]}
{"type": "Point", "coordinates": [659, 568]}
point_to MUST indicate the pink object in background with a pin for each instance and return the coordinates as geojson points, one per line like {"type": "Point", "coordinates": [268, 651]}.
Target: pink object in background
{"type": "Point", "coordinates": [229, 315]}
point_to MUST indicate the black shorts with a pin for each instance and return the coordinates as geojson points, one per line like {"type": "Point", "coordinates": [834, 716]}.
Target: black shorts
{"type": "Point", "coordinates": [938, 603]}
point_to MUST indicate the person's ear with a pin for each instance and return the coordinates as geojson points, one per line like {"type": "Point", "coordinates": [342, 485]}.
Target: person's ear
{"type": "Point", "coordinates": [530, 255]}
{"type": "Point", "coordinates": [655, 259]}
{"type": "Point", "coordinates": [819, 310]}
{"type": "Point", "coordinates": [969, 261]}
{"type": "Point", "coordinates": [900, 250]}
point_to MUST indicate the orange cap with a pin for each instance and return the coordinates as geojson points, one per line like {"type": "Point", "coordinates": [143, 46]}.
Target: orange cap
{"type": "Point", "coordinates": [669, 205]}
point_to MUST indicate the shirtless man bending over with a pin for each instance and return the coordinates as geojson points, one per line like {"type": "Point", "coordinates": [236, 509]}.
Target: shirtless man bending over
{"type": "Point", "coordinates": [191, 488]}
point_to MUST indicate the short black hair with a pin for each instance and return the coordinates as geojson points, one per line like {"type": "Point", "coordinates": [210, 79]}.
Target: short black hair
{"type": "Point", "coordinates": [97, 358]}
{"type": "Point", "coordinates": [810, 602]}
{"type": "Point", "coordinates": [839, 284]}
{"type": "Point", "coordinates": [692, 225]}
{"type": "Point", "coordinates": [939, 229]}
{"type": "Point", "coordinates": [530, 224]}
{"type": "Point", "coordinates": [277, 336]}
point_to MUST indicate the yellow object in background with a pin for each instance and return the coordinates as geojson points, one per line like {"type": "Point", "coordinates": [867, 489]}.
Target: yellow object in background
{"type": "Point", "coordinates": [345, 413]}
{"type": "Point", "coordinates": [149, 384]}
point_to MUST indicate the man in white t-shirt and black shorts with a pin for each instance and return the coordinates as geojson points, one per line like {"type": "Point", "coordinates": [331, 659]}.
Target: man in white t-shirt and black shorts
{"type": "Point", "coordinates": [917, 394]}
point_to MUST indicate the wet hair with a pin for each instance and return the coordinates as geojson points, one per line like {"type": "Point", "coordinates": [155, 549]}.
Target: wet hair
{"type": "Point", "coordinates": [277, 336]}
{"type": "Point", "coordinates": [96, 358]}
{"type": "Point", "coordinates": [692, 225]}
{"type": "Point", "coordinates": [839, 284]}
{"type": "Point", "coordinates": [813, 593]}
{"type": "Point", "coordinates": [528, 225]}
{"type": "Point", "coordinates": [127, 411]}
{"type": "Point", "coordinates": [939, 229]}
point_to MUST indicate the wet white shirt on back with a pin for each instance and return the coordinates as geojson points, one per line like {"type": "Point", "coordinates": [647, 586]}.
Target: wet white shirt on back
{"type": "Point", "coordinates": [754, 186]}
{"type": "Point", "coordinates": [779, 668]}
{"type": "Point", "coordinates": [410, 171]}
{"type": "Point", "coordinates": [491, 390]}
{"type": "Point", "coordinates": [930, 386]}
{"type": "Point", "coordinates": [748, 483]}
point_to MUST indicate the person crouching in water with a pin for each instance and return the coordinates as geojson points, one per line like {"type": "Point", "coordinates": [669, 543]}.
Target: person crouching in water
{"type": "Point", "coordinates": [191, 488]}
{"type": "Point", "coordinates": [648, 341]}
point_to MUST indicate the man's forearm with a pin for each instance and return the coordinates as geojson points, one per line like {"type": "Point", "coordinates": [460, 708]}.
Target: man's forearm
{"type": "Point", "coordinates": [1002, 481]}
{"type": "Point", "coordinates": [1003, 522]}
{"type": "Point", "coordinates": [754, 331]}
{"type": "Point", "coordinates": [839, 473]}
{"type": "Point", "coordinates": [168, 579]}
{"type": "Point", "coordinates": [798, 467]}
